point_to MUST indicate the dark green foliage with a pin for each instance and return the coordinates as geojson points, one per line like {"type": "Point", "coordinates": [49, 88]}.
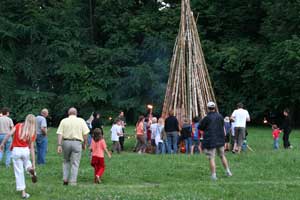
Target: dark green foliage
{"type": "Point", "coordinates": [111, 55]}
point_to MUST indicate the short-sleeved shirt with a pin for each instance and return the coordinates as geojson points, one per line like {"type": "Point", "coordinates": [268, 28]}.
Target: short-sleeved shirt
{"type": "Point", "coordinates": [98, 148]}
{"type": "Point", "coordinates": [6, 124]}
{"type": "Point", "coordinates": [41, 122]}
{"type": "Point", "coordinates": [17, 142]}
{"type": "Point", "coordinates": [153, 128]}
{"type": "Point", "coordinates": [276, 133]}
{"type": "Point", "coordinates": [240, 117]}
{"type": "Point", "coordinates": [73, 127]}
{"type": "Point", "coordinates": [140, 128]}
{"type": "Point", "coordinates": [115, 129]}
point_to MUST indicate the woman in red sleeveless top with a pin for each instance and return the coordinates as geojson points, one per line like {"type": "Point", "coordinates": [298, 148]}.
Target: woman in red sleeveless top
{"type": "Point", "coordinates": [22, 146]}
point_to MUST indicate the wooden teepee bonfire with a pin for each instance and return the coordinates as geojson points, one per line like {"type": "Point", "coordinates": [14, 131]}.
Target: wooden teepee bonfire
{"type": "Point", "coordinates": [189, 87]}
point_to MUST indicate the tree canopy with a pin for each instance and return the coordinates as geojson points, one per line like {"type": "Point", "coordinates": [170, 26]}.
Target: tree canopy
{"type": "Point", "coordinates": [110, 55]}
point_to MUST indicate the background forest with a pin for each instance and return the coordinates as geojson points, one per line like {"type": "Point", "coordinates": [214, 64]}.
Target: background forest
{"type": "Point", "coordinates": [109, 55]}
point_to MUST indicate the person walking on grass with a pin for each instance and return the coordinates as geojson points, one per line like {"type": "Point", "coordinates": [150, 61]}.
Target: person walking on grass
{"type": "Point", "coordinates": [42, 138]}
{"type": "Point", "coordinates": [287, 129]}
{"type": "Point", "coordinates": [214, 139]}
{"type": "Point", "coordinates": [240, 117]}
{"type": "Point", "coordinates": [98, 147]}
{"type": "Point", "coordinates": [116, 132]}
{"type": "Point", "coordinates": [22, 147]}
{"type": "Point", "coordinates": [172, 130]}
{"type": "Point", "coordinates": [72, 136]}
{"type": "Point", "coordinates": [6, 125]}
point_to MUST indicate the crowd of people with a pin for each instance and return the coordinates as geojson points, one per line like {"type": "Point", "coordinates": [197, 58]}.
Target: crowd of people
{"type": "Point", "coordinates": [211, 135]}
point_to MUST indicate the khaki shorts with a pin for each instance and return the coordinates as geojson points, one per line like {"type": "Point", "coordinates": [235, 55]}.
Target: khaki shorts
{"type": "Point", "coordinates": [211, 153]}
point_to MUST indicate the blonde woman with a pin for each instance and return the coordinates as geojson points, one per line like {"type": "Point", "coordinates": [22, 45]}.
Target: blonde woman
{"type": "Point", "coordinates": [22, 146]}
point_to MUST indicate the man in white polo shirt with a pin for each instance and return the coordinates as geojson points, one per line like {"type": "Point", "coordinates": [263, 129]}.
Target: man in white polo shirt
{"type": "Point", "coordinates": [240, 116]}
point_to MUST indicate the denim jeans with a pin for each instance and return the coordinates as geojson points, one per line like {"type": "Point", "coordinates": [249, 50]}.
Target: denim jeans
{"type": "Point", "coordinates": [188, 144]}
{"type": "Point", "coordinates": [172, 142]}
{"type": "Point", "coordinates": [276, 143]}
{"type": "Point", "coordinates": [41, 148]}
{"type": "Point", "coordinates": [161, 148]}
{"type": "Point", "coordinates": [6, 150]}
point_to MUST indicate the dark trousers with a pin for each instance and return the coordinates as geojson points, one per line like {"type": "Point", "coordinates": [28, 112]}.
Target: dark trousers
{"type": "Point", "coordinates": [116, 147]}
{"type": "Point", "coordinates": [286, 136]}
{"type": "Point", "coordinates": [121, 140]}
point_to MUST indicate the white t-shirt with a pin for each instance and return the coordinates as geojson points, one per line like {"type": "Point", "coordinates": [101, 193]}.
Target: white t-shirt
{"type": "Point", "coordinates": [115, 130]}
{"type": "Point", "coordinates": [153, 128]}
{"type": "Point", "coordinates": [240, 117]}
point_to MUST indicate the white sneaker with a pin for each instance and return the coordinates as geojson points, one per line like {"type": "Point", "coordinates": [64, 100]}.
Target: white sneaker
{"type": "Point", "coordinates": [26, 196]}
{"type": "Point", "coordinates": [229, 174]}
{"type": "Point", "coordinates": [213, 178]}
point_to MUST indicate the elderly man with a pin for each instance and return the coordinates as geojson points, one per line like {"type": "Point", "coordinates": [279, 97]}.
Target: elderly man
{"type": "Point", "coordinates": [72, 131]}
{"type": "Point", "coordinates": [42, 139]}
{"type": "Point", "coordinates": [6, 125]}
{"type": "Point", "coordinates": [214, 139]}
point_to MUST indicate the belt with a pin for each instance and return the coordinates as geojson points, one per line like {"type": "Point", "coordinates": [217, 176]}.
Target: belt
{"type": "Point", "coordinates": [72, 139]}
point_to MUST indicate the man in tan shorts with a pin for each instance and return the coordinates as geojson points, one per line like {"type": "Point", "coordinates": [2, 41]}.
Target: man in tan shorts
{"type": "Point", "coordinates": [214, 139]}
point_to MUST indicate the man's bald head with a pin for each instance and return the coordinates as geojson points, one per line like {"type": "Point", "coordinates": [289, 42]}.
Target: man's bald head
{"type": "Point", "coordinates": [72, 111]}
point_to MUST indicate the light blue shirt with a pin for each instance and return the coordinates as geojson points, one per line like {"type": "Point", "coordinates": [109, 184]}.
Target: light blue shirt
{"type": "Point", "coordinates": [41, 122]}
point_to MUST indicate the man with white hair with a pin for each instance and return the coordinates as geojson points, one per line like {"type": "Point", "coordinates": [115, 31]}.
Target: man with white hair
{"type": "Point", "coordinates": [214, 139]}
{"type": "Point", "coordinates": [72, 135]}
{"type": "Point", "coordinates": [42, 138]}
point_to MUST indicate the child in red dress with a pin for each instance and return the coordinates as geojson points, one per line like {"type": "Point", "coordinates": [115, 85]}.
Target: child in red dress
{"type": "Point", "coordinates": [98, 146]}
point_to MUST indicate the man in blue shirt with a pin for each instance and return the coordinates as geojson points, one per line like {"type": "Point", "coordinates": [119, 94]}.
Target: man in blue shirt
{"type": "Point", "coordinates": [42, 139]}
{"type": "Point", "coordinates": [214, 139]}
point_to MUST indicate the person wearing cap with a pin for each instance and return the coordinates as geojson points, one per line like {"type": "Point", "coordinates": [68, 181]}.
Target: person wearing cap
{"type": "Point", "coordinates": [240, 117]}
{"type": "Point", "coordinates": [214, 139]}
{"type": "Point", "coordinates": [72, 138]}
{"type": "Point", "coordinates": [42, 139]}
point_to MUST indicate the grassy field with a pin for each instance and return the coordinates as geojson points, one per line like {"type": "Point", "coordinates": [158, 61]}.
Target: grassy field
{"type": "Point", "coordinates": [264, 174]}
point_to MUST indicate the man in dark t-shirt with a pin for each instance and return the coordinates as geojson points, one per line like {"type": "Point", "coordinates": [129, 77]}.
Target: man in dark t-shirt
{"type": "Point", "coordinates": [214, 139]}
{"type": "Point", "coordinates": [172, 130]}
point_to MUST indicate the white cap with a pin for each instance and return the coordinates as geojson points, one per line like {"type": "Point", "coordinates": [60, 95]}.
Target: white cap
{"type": "Point", "coordinates": [211, 104]}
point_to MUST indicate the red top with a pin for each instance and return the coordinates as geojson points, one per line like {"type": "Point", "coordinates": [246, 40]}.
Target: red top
{"type": "Point", "coordinates": [276, 133]}
{"type": "Point", "coordinates": [17, 142]}
{"type": "Point", "coordinates": [98, 148]}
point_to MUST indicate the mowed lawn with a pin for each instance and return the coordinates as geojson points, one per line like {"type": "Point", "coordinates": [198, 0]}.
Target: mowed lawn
{"type": "Point", "coordinates": [263, 174]}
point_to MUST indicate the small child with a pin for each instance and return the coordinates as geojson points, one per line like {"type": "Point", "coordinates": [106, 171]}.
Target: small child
{"type": "Point", "coordinates": [98, 146]}
{"type": "Point", "coordinates": [116, 132]}
{"type": "Point", "coordinates": [276, 132]}
{"type": "Point", "coordinates": [227, 126]}
{"type": "Point", "coordinates": [153, 128]}
{"type": "Point", "coordinates": [186, 133]}
{"type": "Point", "coordinates": [196, 135]}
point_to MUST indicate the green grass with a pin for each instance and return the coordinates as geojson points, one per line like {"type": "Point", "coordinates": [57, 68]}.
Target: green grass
{"type": "Point", "coordinates": [264, 174]}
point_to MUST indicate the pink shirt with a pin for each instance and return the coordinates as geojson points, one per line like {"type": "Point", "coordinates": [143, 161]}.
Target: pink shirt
{"type": "Point", "coordinates": [276, 133]}
{"type": "Point", "coordinates": [98, 148]}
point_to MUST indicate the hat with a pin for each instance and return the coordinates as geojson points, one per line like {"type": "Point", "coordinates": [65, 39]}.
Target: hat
{"type": "Point", "coordinates": [211, 104]}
